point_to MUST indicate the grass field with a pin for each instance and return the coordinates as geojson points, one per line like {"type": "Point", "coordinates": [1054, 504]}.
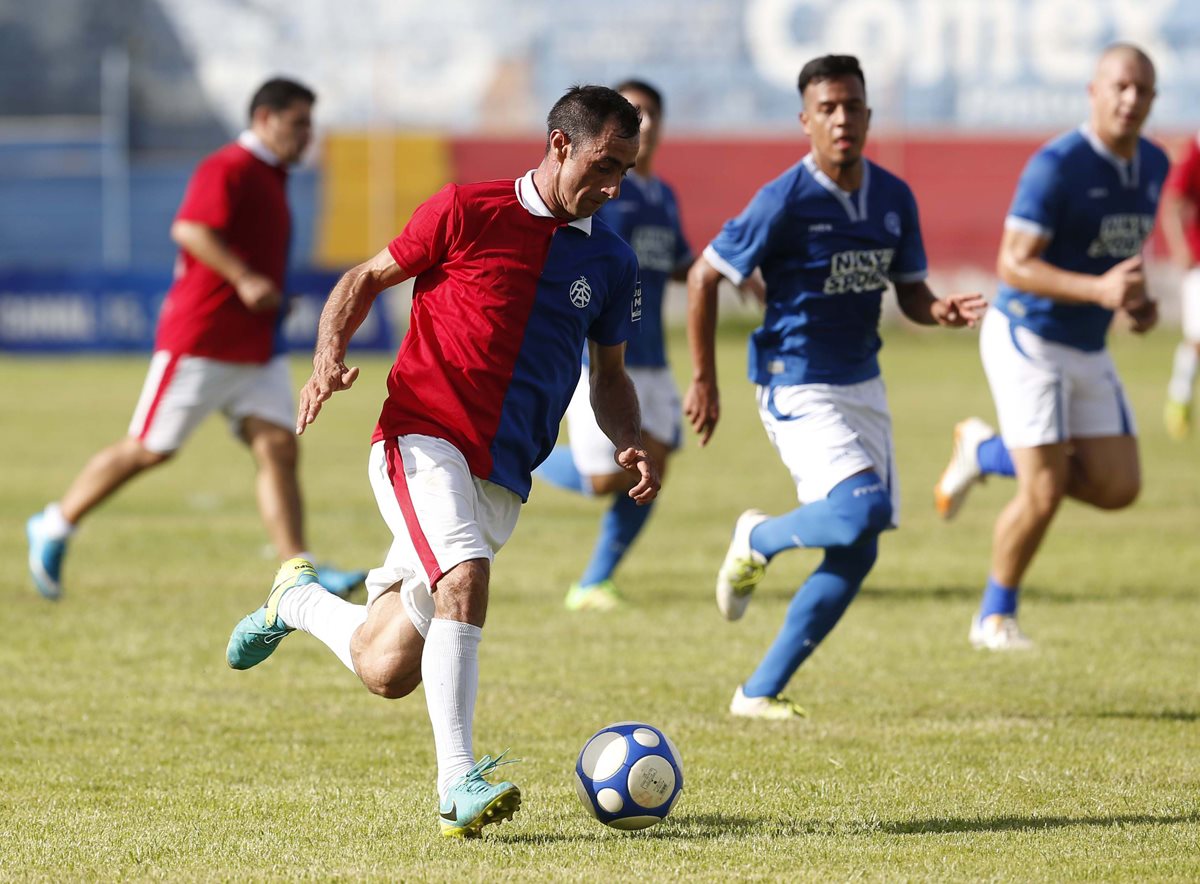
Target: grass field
{"type": "Point", "coordinates": [129, 750]}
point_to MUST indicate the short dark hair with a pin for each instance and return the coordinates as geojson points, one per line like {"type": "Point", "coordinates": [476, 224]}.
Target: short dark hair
{"type": "Point", "coordinates": [634, 85]}
{"type": "Point", "coordinates": [584, 111]}
{"type": "Point", "coordinates": [827, 67]}
{"type": "Point", "coordinates": [278, 94]}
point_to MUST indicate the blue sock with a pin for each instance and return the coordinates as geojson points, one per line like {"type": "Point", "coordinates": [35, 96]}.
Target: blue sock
{"type": "Point", "coordinates": [998, 599]}
{"type": "Point", "coordinates": [559, 469]}
{"type": "Point", "coordinates": [994, 459]}
{"type": "Point", "coordinates": [619, 527]}
{"type": "Point", "coordinates": [814, 610]}
{"type": "Point", "coordinates": [856, 508]}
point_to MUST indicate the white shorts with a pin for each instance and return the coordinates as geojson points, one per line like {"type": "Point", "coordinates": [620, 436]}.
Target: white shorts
{"type": "Point", "coordinates": [658, 401]}
{"type": "Point", "coordinates": [1191, 305]}
{"type": "Point", "coordinates": [181, 391]}
{"type": "Point", "coordinates": [440, 515]}
{"type": "Point", "coordinates": [1047, 392]}
{"type": "Point", "coordinates": [825, 433]}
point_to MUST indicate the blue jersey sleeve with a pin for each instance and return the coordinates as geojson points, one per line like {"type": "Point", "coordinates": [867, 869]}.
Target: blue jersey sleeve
{"type": "Point", "coordinates": [621, 318]}
{"type": "Point", "coordinates": [743, 240]}
{"type": "Point", "coordinates": [909, 263]}
{"type": "Point", "coordinates": [1038, 202]}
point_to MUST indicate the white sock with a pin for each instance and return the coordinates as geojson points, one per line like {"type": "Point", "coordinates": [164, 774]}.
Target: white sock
{"type": "Point", "coordinates": [1183, 373]}
{"type": "Point", "coordinates": [450, 670]}
{"type": "Point", "coordinates": [312, 609]}
{"type": "Point", "coordinates": [54, 523]}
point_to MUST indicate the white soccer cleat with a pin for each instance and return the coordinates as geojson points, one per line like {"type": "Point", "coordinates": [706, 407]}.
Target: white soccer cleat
{"type": "Point", "coordinates": [742, 569]}
{"type": "Point", "coordinates": [768, 708]}
{"type": "Point", "coordinates": [998, 632]}
{"type": "Point", "coordinates": [963, 470]}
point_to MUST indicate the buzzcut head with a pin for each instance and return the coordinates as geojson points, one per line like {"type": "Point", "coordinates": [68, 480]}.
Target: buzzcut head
{"type": "Point", "coordinates": [828, 67]}
{"type": "Point", "coordinates": [279, 94]}
{"type": "Point", "coordinates": [584, 111]}
{"type": "Point", "coordinates": [1125, 50]}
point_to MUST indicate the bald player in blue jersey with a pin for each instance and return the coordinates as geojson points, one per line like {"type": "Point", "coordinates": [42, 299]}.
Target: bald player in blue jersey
{"type": "Point", "coordinates": [647, 217]}
{"type": "Point", "coordinates": [828, 235]}
{"type": "Point", "coordinates": [1070, 260]}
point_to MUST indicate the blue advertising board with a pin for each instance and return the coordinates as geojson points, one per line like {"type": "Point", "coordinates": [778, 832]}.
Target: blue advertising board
{"type": "Point", "coordinates": [95, 311]}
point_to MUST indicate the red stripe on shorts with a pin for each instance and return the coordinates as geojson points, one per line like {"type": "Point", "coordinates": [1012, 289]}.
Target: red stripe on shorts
{"type": "Point", "coordinates": [395, 468]}
{"type": "Point", "coordinates": [163, 383]}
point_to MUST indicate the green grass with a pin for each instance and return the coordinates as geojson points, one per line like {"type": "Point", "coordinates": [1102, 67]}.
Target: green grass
{"type": "Point", "coordinates": [129, 750]}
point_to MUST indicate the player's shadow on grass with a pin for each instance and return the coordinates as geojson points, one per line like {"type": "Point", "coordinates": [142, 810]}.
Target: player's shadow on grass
{"type": "Point", "coordinates": [1154, 715]}
{"type": "Point", "coordinates": [927, 594]}
{"type": "Point", "coordinates": [1029, 823]}
{"type": "Point", "coordinates": [688, 827]}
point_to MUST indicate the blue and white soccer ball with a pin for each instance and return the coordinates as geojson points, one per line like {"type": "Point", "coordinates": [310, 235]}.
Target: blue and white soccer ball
{"type": "Point", "coordinates": [629, 775]}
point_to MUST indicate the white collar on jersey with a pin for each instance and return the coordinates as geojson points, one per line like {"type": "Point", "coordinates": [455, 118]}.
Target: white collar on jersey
{"type": "Point", "coordinates": [856, 213]}
{"type": "Point", "coordinates": [528, 197]}
{"type": "Point", "coordinates": [1127, 170]}
{"type": "Point", "coordinates": [258, 148]}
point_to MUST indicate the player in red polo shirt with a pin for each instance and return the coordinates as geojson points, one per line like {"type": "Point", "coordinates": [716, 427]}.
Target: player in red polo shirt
{"type": "Point", "coordinates": [218, 346]}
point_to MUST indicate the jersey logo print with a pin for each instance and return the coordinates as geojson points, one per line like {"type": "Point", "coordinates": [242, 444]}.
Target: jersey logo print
{"type": "Point", "coordinates": [891, 221]}
{"type": "Point", "coordinates": [635, 312]}
{"type": "Point", "coordinates": [581, 292]}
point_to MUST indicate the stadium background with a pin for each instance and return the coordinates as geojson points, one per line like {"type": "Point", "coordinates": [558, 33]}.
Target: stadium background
{"type": "Point", "coordinates": [105, 108]}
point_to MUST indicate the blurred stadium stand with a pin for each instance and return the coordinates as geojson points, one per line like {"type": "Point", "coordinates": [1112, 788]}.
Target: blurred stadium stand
{"type": "Point", "coordinates": [93, 164]}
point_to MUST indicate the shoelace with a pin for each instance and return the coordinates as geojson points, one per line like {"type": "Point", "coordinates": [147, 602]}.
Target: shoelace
{"type": "Point", "coordinates": [473, 780]}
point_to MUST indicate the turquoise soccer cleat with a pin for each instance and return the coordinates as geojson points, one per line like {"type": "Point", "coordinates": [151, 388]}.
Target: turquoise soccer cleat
{"type": "Point", "coordinates": [257, 634]}
{"type": "Point", "coordinates": [45, 559]}
{"type": "Point", "coordinates": [472, 802]}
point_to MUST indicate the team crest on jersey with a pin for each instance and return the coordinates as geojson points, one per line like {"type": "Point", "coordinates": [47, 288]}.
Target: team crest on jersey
{"type": "Point", "coordinates": [891, 221]}
{"type": "Point", "coordinates": [581, 292]}
{"type": "Point", "coordinates": [635, 312]}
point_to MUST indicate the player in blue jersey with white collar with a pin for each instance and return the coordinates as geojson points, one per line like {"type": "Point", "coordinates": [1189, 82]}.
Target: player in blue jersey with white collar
{"type": "Point", "coordinates": [828, 235]}
{"type": "Point", "coordinates": [647, 217]}
{"type": "Point", "coordinates": [1069, 261]}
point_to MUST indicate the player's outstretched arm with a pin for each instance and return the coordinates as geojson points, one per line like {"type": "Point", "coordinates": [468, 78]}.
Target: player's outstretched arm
{"type": "Point", "coordinates": [346, 308]}
{"type": "Point", "coordinates": [702, 402]}
{"type": "Point", "coordinates": [615, 403]}
{"type": "Point", "coordinates": [922, 306]}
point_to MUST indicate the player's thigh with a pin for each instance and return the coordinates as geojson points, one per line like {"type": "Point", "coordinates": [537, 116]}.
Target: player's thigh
{"type": "Point", "coordinates": [1106, 471]}
{"type": "Point", "coordinates": [178, 393]}
{"type": "Point", "coordinates": [1042, 475]}
{"type": "Point", "coordinates": [439, 515]}
{"type": "Point", "coordinates": [262, 392]}
{"type": "Point", "coordinates": [827, 433]}
{"type": "Point", "coordinates": [1028, 385]}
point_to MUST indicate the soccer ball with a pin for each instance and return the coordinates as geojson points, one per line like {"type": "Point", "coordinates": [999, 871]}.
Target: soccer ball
{"type": "Point", "coordinates": [629, 775]}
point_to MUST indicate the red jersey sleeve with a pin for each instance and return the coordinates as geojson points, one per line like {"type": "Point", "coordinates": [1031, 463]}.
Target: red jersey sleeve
{"type": "Point", "coordinates": [1184, 177]}
{"type": "Point", "coordinates": [426, 238]}
{"type": "Point", "coordinates": [208, 199]}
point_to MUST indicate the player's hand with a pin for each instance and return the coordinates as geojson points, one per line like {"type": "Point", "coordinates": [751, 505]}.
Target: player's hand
{"type": "Point", "coordinates": [1123, 286]}
{"type": "Point", "coordinates": [702, 407]}
{"type": "Point", "coordinates": [1143, 317]}
{"type": "Point", "coordinates": [955, 311]}
{"type": "Point", "coordinates": [753, 288]}
{"type": "Point", "coordinates": [329, 376]}
{"type": "Point", "coordinates": [640, 463]}
{"type": "Point", "coordinates": [258, 292]}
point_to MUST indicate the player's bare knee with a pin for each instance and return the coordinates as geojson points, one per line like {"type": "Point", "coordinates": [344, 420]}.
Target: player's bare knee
{"type": "Point", "coordinates": [612, 483]}
{"type": "Point", "coordinates": [385, 677]}
{"type": "Point", "coordinates": [1119, 494]}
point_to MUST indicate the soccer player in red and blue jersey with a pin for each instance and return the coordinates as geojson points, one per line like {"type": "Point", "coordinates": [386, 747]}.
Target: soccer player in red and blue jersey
{"type": "Point", "coordinates": [647, 217]}
{"type": "Point", "coordinates": [511, 279]}
{"type": "Point", "coordinates": [218, 345]}
{"type": "Point", "coordinates": [829, 235]}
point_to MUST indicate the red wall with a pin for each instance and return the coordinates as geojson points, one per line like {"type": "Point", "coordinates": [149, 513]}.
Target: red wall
{"type": "Point", "coordinates": [963, 185]}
